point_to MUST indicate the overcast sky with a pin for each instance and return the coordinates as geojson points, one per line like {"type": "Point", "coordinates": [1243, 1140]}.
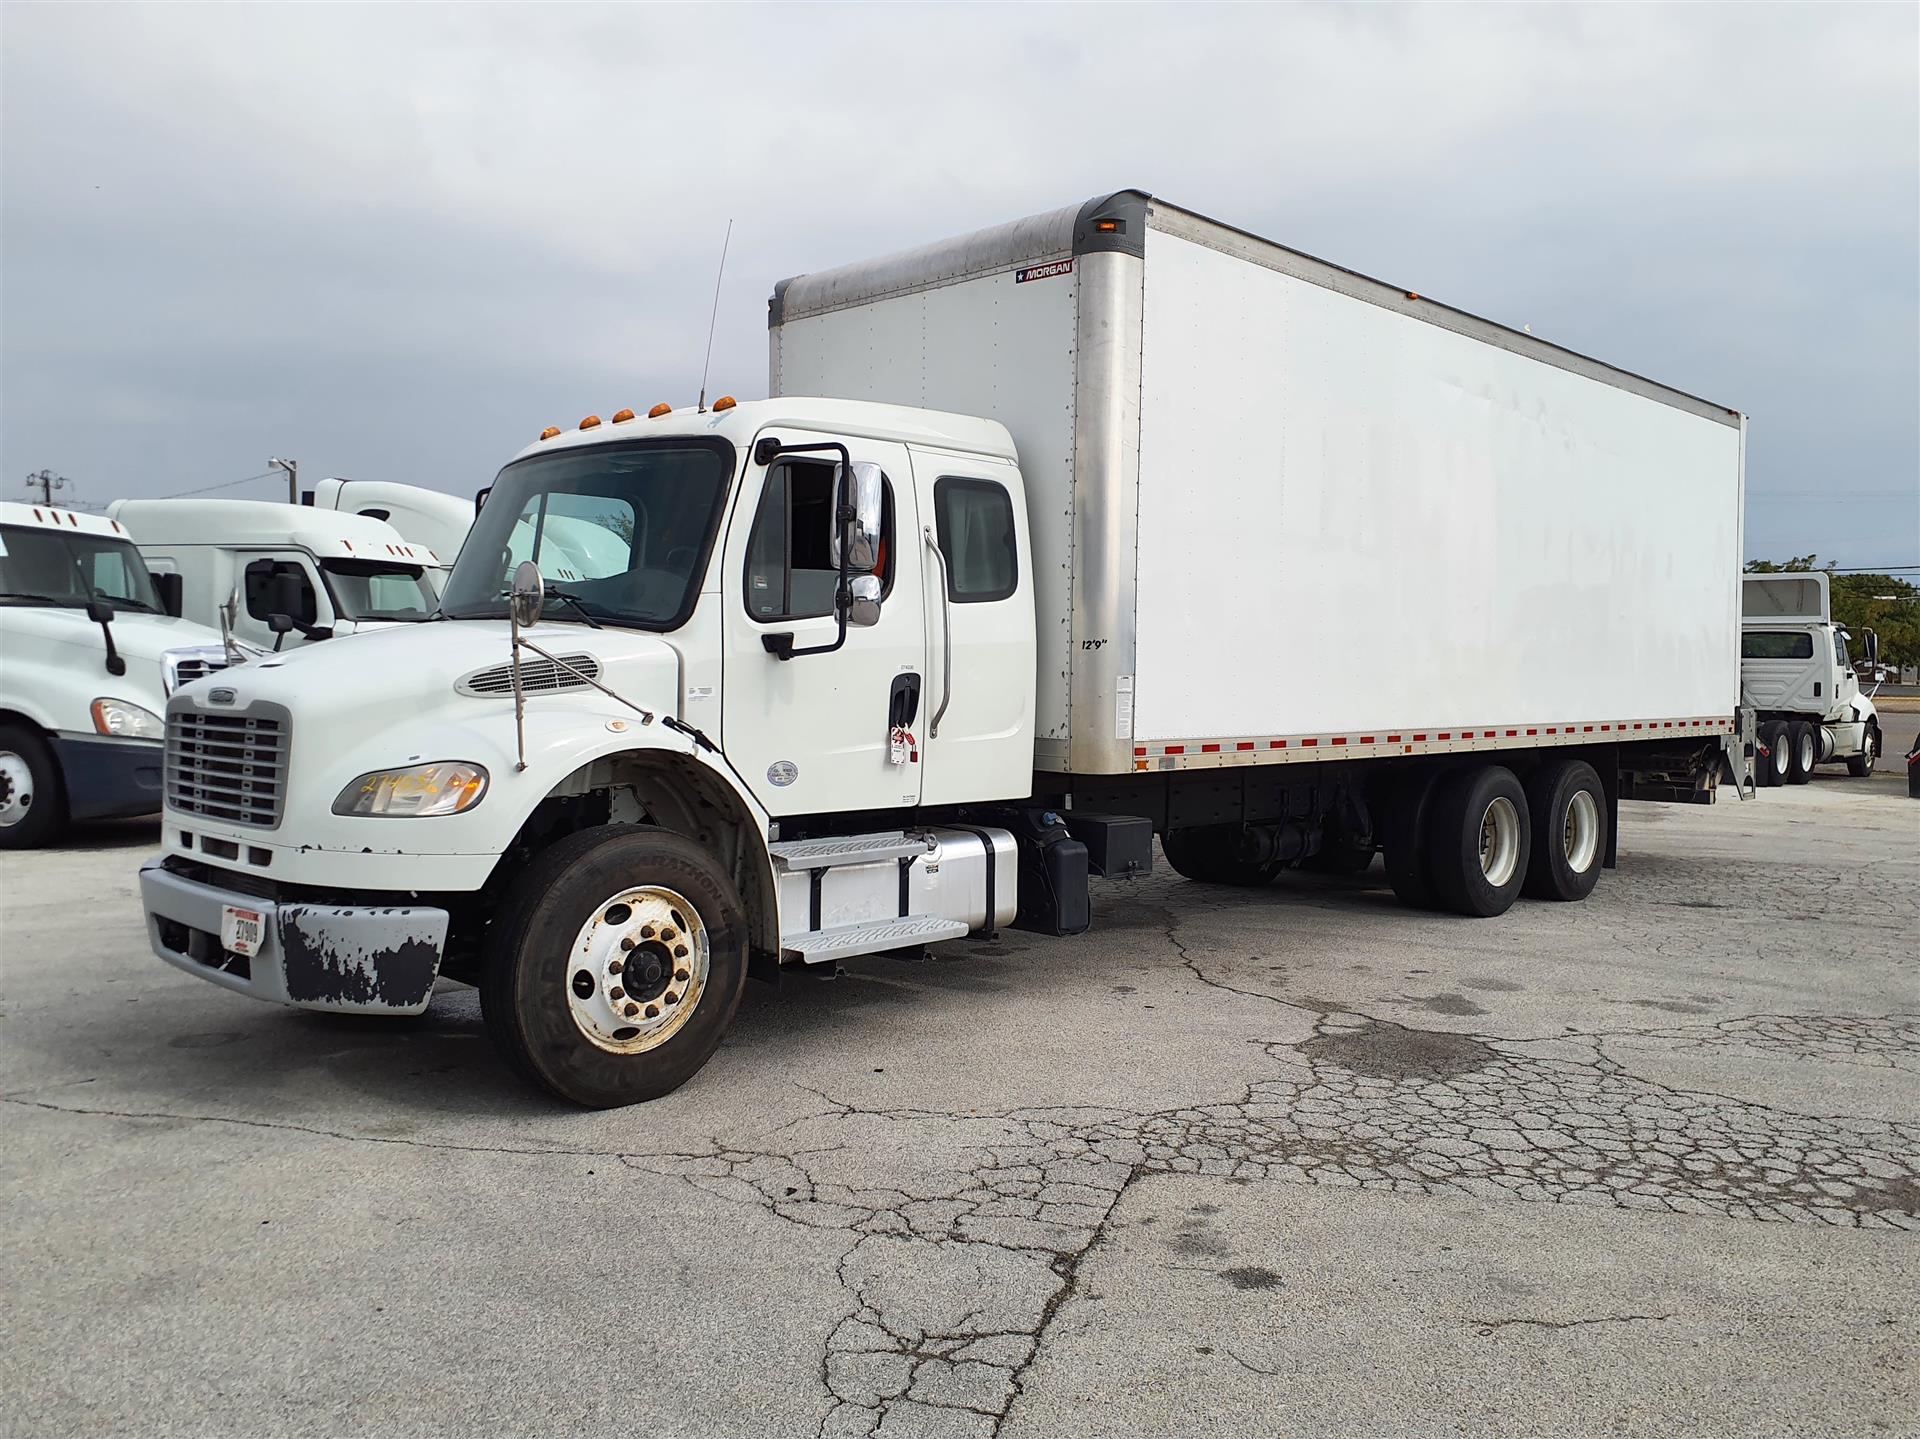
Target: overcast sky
{"type": "Point", "coordinates": [394, 243]}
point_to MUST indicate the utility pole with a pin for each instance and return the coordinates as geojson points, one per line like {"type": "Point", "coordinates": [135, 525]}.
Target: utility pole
{"type": "Point", "coordinates": [292, 467]}
{"type": "Point", "coordinates": [48, 482]}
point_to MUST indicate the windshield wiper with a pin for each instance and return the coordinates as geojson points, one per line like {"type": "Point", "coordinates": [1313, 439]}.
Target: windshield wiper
{"type": "Point", "coordinates": [567, 599]}
{"type": "Point", "coordinates": [71, 603]}
{"type": "Point", "coordinates": [133, 604]}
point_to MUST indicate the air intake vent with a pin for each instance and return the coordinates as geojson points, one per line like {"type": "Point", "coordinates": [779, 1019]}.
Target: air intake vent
{"type": "Point", "coordinates": [537, 677]}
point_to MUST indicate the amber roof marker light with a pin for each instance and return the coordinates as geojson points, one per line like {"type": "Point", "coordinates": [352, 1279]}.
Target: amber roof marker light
{"type": "Point", "coordinates": [549, 432]}
{"type": "Point", "coordinates": [620, 417]}
{"type": "Point", "coordinates": [663, 408]}
{"type": "Point", "coordinates": [725, 402]}
{"type": "Point", "coordinates": [592, 422]}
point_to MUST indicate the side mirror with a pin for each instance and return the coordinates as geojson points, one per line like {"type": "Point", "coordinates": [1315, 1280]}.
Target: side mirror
{"type": "Point", "coordinates": [280, 622]}
{"type": "Point", "coordinates": [864, 491]}
{"type": "Point", "coordinates": [863, 605]}
{"type": "Point", "coordinates": [172, 591]}
{"type": "Point", "coordinates": [527, 596]}
{"type": "Point", "coordinates": [1873, 648]}
{"type": "Point", "coordinates": [99, 611]}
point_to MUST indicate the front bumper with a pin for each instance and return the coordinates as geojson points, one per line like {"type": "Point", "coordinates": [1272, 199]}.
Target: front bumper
{"type": "Point", "coordinates": [350, 959]}
{"type": "Point", "coordinates": [107, 776]}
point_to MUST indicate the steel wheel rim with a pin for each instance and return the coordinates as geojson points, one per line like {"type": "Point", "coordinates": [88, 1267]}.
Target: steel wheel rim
{"type": "Point", "coordinates": [637, 969]}
{"type": "Point", "coordinates": [1808, 750]}
{"type": "Point", "coordinates": [16, 789]}
{"type": "Point", "coordinates": [1499, 841]}
{"type": "Point", "coordinates": [1782, 760]}
{"type": "Point", "coordinates": [1582, 836]}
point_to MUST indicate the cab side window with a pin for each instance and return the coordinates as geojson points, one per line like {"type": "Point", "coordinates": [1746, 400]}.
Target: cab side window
{"type": "Point", "coordinates": [260, 578]}
{"type": "Point", "coordinates": [791, 574]}
{"type": "Point", "coordinates": [975, 523]}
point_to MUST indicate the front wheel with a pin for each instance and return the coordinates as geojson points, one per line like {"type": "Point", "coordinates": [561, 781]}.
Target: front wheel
{"type": "Point", "coordinates": [1861, 765]}
{"type": "Point", "coordinates": [615, 966]}
{"type": "Point", "coordinates": [33, 801]}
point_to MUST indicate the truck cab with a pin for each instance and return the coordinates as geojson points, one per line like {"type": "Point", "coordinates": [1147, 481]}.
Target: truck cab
{"type": "Point", "coordinates": [1797, 674]}
{"type": "Point", "coordinates": [93, 649]}
{"type": "Point", "coordinates": [426, 519]}
{"type": "Point", "coordinates": [328, 573]}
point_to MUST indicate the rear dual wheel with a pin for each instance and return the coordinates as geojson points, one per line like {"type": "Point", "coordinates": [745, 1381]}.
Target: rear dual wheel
{"type": "Point", "coordinates": [1777, 763]}
{"type": "Point", "coordinates": [1803, 751]}
{"type": "Point", "coordinates": [1569, 813]}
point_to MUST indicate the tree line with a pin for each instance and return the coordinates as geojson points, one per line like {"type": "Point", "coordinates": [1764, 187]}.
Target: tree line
{"type": "Point", "coordinates": [1885, 604]}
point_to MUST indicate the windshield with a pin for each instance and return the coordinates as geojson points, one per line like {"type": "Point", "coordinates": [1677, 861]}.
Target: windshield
{"type": "Point", "coordinates": [371, 590]}
{"type": "Point", "coordinates": [57, 567]}
{"type": "Point", "coordinates": [623, 529]}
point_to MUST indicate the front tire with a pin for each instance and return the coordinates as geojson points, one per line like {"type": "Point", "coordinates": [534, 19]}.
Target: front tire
{"type": "Point", "coordinates": [1567, 811]}
{"type": "Point", "coordinates": [615, 965]}
{"type": "Point", "coordinates": [1478, 839]}
{"type": "Point", "coordinates": [1803, 751]}
{"type": "Point", "coordinates": [1861, 765]}
{"type": "Point", "coordinates": [33, 797]}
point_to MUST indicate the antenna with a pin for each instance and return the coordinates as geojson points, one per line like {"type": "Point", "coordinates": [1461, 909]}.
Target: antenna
{"type": "Point", "coordinates": [714, 319]}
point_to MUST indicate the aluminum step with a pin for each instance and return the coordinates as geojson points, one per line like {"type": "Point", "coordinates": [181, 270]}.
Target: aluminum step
{"type": "Point", "coordinates": [873, 936]}
{"type": "Point", "coordinates": [798, 854]}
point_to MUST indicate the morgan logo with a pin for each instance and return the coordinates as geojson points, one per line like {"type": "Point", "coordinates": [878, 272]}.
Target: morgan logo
{"type": "Point", "coordinates": [220, 696]}
{"type": "Point", "coordinates": [1043, 272]}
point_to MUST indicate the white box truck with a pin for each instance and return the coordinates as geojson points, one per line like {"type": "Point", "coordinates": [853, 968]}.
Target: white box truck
{"type": "Point", "coordinates": [1111, 522]}
{"type": "Point", "coordinates": [1798, 679]}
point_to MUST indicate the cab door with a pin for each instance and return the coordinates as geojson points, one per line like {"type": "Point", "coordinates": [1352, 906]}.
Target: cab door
{"type": "Point", "coordinates": [811, 734]}
{"type": "Point", "coordinates": [977, 740]}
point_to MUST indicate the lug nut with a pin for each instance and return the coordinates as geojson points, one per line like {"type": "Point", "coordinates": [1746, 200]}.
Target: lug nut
{"type": "Point", "coordinates": [670, 997]}
{"type": "Point", "coordinates": [646, 932]}
{"type": "Point", "coordinates": [653, 1011]}
{"type": "Point", "coordinates": [626, 941]}
{"type": "Point", "coordinates": [681, 975]}
{"type": "Point", "coordinates": [617, 993]}
{"type": "Point", "coordinates": [666, 934]}
{"type": "Point", "coordinates": [679, 951]}
{"type": "Point", "coordinates": [616, 966]}
{"type": "Point", "coordinates": [631, 1010]}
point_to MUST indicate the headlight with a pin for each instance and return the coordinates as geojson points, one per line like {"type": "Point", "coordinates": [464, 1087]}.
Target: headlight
{"type": "Point", "coordinates": [445, 787]}
{"type": "Point", "coordinates": [119, 717]}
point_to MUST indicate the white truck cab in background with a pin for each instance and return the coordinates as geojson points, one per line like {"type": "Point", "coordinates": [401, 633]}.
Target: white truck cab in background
{"type": "Point", "coordinates": [329, 573]}
{"type": "Point", "coordinates": [90, 648]}
{"type": "Point", "coordinates": [429, 518]}
{"type": "Point", "coordinates": [1035, 553]}
{"type": "Point", "coordinates": [1797, 675]}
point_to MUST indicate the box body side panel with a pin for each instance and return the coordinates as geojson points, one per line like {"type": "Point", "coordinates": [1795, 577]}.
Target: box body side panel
{"type": "Point", "coordinates": [1352, 519]}
{"type": "Point", "coordinates": [997, 346]}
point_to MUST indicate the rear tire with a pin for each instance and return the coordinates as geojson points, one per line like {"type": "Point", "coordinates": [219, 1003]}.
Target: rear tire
{"type": "Point", "coordinates": [623, 895]}
{"type": "Point", "coordinates": [1776, 762]}
{"type": "Point", "coordinates": [1861, 765]}
{"type": "Point", "coordinates": [1403, 836]}
{"type": "Point", "coordinates": [1478, 839]}
{"type": "Point", "coordinates": [33, 795]}
{"type": "Point", "coordinates": [1205, 854]}
{"type": "Point", "coordinates": [1567, 812]}
{"type": "Point", "coordinates": [1803, 752]}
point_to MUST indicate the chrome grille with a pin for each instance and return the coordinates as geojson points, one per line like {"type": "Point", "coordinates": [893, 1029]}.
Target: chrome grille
{"type": "Point", "coordinates": [537, 676]}
{"type": "Point", "coordinates": [228, 767]}
{"type": "Point", "coordinates": [187, 671]}
{"type": "Point", "coordinates": [193, 662]}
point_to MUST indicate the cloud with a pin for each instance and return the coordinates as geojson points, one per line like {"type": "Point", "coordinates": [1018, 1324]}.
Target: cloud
{"type": "Point", "coordinates": [395, 241]}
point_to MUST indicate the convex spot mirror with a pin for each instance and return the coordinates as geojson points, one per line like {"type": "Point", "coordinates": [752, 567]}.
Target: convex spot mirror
{"type": "Point", "coordinates": [863, 605]}
{"type": "Point", "coordinates": [527, 595]}
{"type": "Point", "coordinates": [864, 491]}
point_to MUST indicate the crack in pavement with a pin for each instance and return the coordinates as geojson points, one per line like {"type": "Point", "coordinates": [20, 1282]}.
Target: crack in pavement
{"type": "Point", "coordinates": [1488, 1326]}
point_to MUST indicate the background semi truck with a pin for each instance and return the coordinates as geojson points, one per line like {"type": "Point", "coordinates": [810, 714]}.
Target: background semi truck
{"type": "Point", "coordinates": [428, 518]}
{"type": "Point", "coordinates": [330, 573]}
{"type": "Point", "coordinates": [1052, 538]}
{"type": "Point", "coordinates": [90, 648]}
{"type": "Point", "coordinates": [1798, 678]}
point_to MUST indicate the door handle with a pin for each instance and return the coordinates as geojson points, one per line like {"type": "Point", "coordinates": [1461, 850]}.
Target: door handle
{"type": "Point", "coordinates": [946, 636]}
{"type": "Point", "coordinates": [903, 703]}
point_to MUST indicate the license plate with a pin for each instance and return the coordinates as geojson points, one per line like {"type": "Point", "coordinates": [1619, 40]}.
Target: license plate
{"type": "Point", "coordinates": [240, 929]}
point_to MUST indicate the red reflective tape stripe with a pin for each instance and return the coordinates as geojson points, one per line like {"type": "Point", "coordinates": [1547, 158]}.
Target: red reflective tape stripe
{"type": "Point", "coordinates": [1139, 749]}
{"type": "Point", "coordinates": [1244, 744]}
{"type": "Point", "coordinates": [1366, 739]}
{"type": "Point", "coordinates": [1279, 744]}
{"type": "Point", "coordinates": [1532, 731]}
{"type": "Point", "coordinates": [1309, 743]}
{"type": "Point", "coordinates": [1341, 740]}
{"type": "Point", "coordinates": [1209, 749]}
{"type": "Point", "coordinates": [1176, 749]}
{"type": "Point", "coordinates": [1443, 735]}
{"type": "Point", "coordinates": [1513, 733]}
{"type": "Point", "coordinates": [1393, 739]}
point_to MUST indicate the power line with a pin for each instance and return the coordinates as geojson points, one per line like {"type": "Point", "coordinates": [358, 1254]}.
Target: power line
{"type": "Point", "coordinates": [263, 475]}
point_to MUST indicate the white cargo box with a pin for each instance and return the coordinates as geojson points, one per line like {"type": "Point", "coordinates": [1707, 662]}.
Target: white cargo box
{"type": "Point", "coordinates": [1283, 511]}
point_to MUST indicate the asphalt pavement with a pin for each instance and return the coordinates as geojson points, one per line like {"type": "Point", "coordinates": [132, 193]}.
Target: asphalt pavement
{"type": "Point", "coordinates": [1294, 1161]}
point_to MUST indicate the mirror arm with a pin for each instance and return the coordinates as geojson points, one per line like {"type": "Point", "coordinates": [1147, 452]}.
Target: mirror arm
{"type": "Point", "coordinates": [780, 646]}
{"type": "Point", "coordinates": [116, 666]}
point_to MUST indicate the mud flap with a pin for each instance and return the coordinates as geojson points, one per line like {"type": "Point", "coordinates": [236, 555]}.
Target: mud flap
{"type": "Point", "coordinates": [360, 959]}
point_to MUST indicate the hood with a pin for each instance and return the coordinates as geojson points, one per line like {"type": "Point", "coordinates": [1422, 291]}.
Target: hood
{"type": "Point", "coordinates": [136, 635]}
{"type": "Point", "coordinates": [459, 663]}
